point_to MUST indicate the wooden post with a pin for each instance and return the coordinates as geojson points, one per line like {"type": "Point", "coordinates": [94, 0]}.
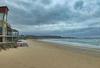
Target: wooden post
{"type": "Point", "coordinates": [3, 29]}
{"type": "Point", "coordinates": [17, 36]}
{"type": "Point", "coordinates": [12, 35]}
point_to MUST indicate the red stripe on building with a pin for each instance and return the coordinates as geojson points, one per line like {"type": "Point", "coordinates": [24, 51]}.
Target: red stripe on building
{"type": "Point", "coordinates": [4, 9]}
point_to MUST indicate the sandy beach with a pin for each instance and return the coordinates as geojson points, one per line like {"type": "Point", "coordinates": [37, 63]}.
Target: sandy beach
{"type": "Point", "coordinates": [46, 55]}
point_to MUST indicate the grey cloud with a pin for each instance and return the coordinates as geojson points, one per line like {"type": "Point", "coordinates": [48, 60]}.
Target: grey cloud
{"type": "Point", "coordinates": [39, 15]}
{"type": "Point", "coordinates": [79, 5]}
{"type": "Point", "coordinates": [33, 12]}
{"type": "Point", "coordinates": [46, 2]}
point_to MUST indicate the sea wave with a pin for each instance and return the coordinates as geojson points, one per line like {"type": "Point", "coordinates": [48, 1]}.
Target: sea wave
{"type": "Point", "coordinates": [89, 43]}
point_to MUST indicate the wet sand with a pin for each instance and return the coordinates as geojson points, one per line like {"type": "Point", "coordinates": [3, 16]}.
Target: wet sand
{"type": "Point", "coordinates": [46, 55]}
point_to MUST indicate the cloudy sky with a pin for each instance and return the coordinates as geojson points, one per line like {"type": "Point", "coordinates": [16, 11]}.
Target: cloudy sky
{"type": "Point", "coordinates": [55, 17]}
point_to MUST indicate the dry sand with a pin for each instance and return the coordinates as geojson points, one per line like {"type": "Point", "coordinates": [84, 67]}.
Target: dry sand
{"type": "Point", "coordinates": [46, 55]}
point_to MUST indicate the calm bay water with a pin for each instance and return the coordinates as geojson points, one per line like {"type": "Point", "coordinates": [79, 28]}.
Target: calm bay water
{"type": "Point", "coordinates": [94, 43]}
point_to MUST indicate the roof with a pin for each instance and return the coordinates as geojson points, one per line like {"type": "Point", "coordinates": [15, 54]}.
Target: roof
{"type": "Point", "coordinates": [14, 30]}
{"type": "Point", "coordinates": [4, 9]}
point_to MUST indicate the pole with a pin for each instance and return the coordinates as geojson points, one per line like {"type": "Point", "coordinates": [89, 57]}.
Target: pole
{"type": "Point", "coordinates": [3, 29]}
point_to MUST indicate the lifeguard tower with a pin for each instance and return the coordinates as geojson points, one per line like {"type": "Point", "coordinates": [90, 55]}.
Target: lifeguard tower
{"type": "Point", "coordinates": [7, 34]}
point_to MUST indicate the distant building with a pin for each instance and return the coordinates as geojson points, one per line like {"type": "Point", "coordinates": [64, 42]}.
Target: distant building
{"type": "Point", "coordinates": [7, 33]}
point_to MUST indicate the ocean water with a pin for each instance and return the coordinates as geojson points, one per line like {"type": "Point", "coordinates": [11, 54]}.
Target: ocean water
{"type": "Point", "coordinates": [91, 43]}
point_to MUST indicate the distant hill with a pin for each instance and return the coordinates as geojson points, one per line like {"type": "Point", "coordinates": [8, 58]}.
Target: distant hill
{"type": "Point", "coordinates": [70, 34]}
{"type": "Point", "coordinates": [42, 37]}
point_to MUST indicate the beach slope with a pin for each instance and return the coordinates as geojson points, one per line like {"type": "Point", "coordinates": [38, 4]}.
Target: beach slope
{"type": "Point", "coordinates": [46, 55]}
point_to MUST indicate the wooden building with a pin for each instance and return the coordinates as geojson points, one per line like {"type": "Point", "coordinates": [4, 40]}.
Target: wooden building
{"type": "Point", "coordinates": [7, 33]}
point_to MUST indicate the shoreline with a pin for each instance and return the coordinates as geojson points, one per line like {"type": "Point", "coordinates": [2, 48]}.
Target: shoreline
{"type": "Point", "coordinates": [72, 43]}
{"type": "Point", "coordinates": [77, 49]}
{"type": "Point", "coordinates": [46, 55]}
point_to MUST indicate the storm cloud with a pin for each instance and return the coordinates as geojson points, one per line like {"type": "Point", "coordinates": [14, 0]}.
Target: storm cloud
{"type": "Point", "coordinates": [53, 15]}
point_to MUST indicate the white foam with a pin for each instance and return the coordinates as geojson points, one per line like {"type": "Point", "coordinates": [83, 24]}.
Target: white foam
{"type": "Point", "coordinates": [70, 43]}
